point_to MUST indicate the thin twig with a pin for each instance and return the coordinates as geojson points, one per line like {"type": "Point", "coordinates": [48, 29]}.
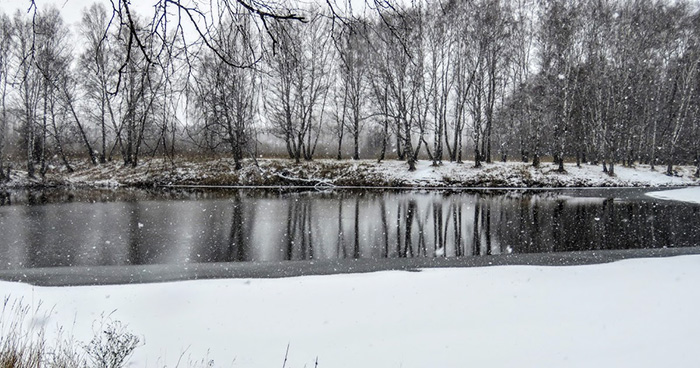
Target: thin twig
{"type": "Point", "coordinates": [286, 354]}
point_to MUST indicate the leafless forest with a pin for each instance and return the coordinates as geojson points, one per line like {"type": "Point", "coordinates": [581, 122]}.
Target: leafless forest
{"type": "Point", "coordinates": [600, 81]}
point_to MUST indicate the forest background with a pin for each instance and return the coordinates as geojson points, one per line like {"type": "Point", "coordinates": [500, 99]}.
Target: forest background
{"type": "Point", "coordinates": [589, 81]}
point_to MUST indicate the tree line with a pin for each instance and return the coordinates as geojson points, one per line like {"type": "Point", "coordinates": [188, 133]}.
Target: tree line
{"type": "Point", "coordinates": [602, 81]}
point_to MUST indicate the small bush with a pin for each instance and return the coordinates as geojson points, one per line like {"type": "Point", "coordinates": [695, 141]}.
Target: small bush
{"type": "Point", "coordinates": [111, 346]}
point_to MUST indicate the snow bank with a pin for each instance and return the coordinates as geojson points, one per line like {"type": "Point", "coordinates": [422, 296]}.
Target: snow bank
{"type": "Point", "coordinates": [635, 313]}
{"type": "Point", "coordinates": [328, 173]}
{"type": "Point", "coordinates": [691, 195]}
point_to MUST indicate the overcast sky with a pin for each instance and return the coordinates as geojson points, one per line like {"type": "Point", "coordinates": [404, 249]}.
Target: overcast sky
{"type": "Point", "coordinates": [72, 9]}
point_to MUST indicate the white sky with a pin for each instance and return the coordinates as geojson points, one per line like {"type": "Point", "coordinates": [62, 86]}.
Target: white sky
{"type": "Point", "coordinates": [72, 9]}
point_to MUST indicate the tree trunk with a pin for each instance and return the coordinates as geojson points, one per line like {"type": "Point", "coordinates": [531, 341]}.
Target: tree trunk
{"type": "Point", "coordinates": [411, 163]}
{"type": "Point", "coordinates": [561, 165]}
{"type": "Point", "coordinates": [3, 124]}
{"type": "Point", "coordinates": [356, 142]}
{"type": "Point", "coordinates": [2, 154]}
{"type": "Point", "coordinates": [297, 150]}
{"type": "Point", "coordinates": [385, 139]}
{"type": "Point", "coordinates": [339, 156]}
{"type": "Point", "coordinates": [59, 143]}
{"type": "Point", "coordinates": [477, 158]}
{"type": "Point", "coordinates": [399, 151]}
{"type": "Point", "coordinates": [44, 129]}
{"type": "Point", "coordinates": [83, 135]}
{"type": "Point", "coordinates": [408, 146]}
{"type": "Point", "coordinates": [30, 149]}
{"type": "Point", "coordinates": [103, 128]}
{"type": "Point", "coordinates": [458, 149]}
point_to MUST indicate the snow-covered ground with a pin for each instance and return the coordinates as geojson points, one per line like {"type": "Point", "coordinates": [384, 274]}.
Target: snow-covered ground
{"type": "Point", "coordinates": [691, 195]}
{"type": "Point", "coordinates": [634, 313]}
{"type": "Point", "coordinates": [517, 174]}
{"type": "Point", "coordinates": [275, 172]}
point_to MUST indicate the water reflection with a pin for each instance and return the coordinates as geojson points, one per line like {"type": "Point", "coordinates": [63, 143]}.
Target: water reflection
{"type": "Point", "coordinates": [239, 226]}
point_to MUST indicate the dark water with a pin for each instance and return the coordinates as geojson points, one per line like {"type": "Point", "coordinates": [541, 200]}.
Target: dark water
{"type": "Point", "coordinates": [62, 228]}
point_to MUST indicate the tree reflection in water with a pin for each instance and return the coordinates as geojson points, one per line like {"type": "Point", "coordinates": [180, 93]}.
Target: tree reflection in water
{"type": "Point", "coordinates": [239, 226]}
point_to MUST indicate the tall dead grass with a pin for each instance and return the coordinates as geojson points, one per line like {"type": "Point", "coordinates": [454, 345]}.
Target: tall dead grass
{"type": "Point", "coordinates": [23, 341]}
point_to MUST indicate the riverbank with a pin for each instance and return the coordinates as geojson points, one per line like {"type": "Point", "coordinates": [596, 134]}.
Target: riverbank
{"type": "Point", "coordinates": [362, 173]}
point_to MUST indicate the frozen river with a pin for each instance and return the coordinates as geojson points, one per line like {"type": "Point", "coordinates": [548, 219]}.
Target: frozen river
{"type": "Point", "coordinates": [189, 228]}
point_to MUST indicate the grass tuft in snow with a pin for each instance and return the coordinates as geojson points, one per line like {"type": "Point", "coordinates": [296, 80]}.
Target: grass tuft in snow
{"type": "Point", "coordinates": [23, 343]}
{"type": "Point", "coordinates": [21, 346]}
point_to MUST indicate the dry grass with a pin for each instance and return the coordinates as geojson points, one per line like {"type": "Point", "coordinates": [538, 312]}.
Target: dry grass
{"type": "Point", "coordinates": [23, 343]}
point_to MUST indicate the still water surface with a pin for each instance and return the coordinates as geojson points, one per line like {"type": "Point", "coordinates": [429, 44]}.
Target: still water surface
{"type": "Point", "coordinates": [97, 228]}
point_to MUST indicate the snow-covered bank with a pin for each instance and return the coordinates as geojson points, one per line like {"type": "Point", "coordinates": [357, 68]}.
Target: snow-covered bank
{"type": "Point", "coordinates": [390, 173]}
{"type": "Point", "coordinates": [635, 313]}
{"type": "Point", "coordinates": [691, 195]}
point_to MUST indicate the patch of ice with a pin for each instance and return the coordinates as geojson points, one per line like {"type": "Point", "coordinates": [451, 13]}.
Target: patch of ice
{"type": "Point", "coordinates": [691, 194]}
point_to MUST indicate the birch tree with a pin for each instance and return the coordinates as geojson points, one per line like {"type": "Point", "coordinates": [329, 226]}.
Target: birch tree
{"type": "Point", "coordinates": [6, 41]}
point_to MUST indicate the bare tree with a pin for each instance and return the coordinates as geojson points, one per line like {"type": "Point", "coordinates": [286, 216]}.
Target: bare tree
{"type": "Point", "coordinates": [353, 71]}
{"type": "Point", "coordinates": [400, 69]}
{"type": "Point", "coordinates": [29, 87]}
{"type": "Point", "coordinates": [226, 97]}
{"type": "Point", "coordinates": [299, 85]}
{"type": "Point", "coordinates": [138, 96]}
{"type": "Point", "coordinates": [6, 38]}
{"type": "Point", "coordinates": [53, 58]}
{"type": "Point", "coordinates": [100, 71]}
{"type": "Point", "coordinates": [468, 59]}
{"type": "Point", "coordinates": [559, 57]}
{"type": "Point", "coordinates": [441, 40]}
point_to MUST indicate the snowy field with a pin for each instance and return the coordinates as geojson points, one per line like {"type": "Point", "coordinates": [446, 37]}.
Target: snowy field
{"type": "Point", "coordinates": [634, 313]}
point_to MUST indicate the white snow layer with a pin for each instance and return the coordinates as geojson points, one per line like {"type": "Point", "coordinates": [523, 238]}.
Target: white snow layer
{"type": "Point", "coordinates": [517, 174]}
{"type": "Point", "coordinates": [691, 194]}
{"type": "Point", "coordinates": [634, 313]}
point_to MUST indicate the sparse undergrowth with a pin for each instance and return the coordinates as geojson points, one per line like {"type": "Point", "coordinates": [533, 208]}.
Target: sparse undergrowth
{"type": "Point", "coordinates": [329, 173]}
{"type": "Point", "coordinates": [23, 343]}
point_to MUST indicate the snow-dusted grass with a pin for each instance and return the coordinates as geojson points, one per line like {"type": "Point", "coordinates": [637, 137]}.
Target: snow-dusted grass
{"type": "Point", "coordinates": [634, 313]}
{"type": "Point", "coordinates": [691, 195]}
{"type": "Point", "coordinates": [390, 173]}
{"type": "Point", "coordinates": [517, 174]}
